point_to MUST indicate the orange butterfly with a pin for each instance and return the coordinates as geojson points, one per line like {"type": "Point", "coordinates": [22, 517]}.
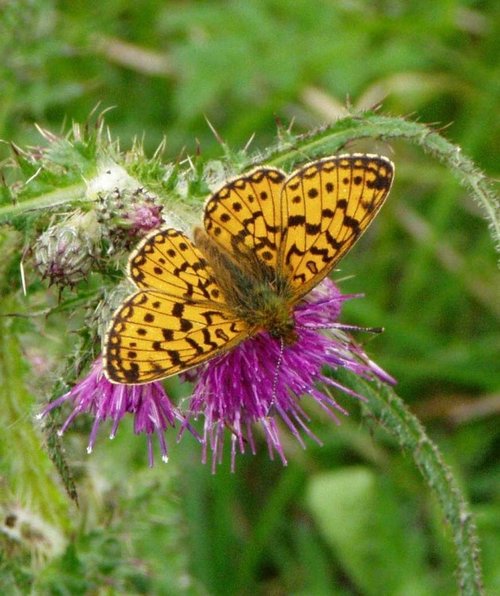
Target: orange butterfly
{"type": "Point", "coordinates": [268, 239]}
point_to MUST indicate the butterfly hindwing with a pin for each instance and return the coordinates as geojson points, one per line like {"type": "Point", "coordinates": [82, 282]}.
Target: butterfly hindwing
{"type": "Point", "coordinates": [154, 335]}
{"type": "Point", "coordinates": [326, 206]}
{"type": "Point", "coordinates": [245, 215]}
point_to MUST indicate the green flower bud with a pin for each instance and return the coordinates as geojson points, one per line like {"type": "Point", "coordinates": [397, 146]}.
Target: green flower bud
{"type": "Point", "coordinates": [126, 215]}
{"type": "Point", "coordinates": [66, 251]}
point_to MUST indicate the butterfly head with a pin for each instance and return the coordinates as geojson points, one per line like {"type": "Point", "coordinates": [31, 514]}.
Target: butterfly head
{"type": "Point", "coordinates": [271, 312]}
{"type": "Point", "coordinates": [284, 331]}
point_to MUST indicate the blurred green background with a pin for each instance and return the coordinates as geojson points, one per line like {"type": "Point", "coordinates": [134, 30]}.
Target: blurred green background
{"type": "Point", "coordinates": [352, 516]}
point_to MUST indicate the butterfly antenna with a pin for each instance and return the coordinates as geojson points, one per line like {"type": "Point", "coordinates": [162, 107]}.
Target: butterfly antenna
{"type": "Point", "coordinates": [374, 330]}
{"type": "Point", "coordinates": [276, 374]}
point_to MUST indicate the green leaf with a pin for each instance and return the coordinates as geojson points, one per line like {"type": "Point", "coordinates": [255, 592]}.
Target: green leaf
{"type": "Point", "coordinates": [361, 520]}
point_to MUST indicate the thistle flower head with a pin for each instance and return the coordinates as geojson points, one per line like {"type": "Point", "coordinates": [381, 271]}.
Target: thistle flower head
{"type": "Point", "coordinates": [126, 215]}
{"type": "Point", "coordinates": [149, 404]}
{"type": "Point", "coordinates": [261, 382]}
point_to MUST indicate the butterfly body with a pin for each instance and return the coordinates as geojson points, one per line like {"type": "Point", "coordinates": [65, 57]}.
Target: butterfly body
{"type": "Point", "coordinates": [267, 240]}
{"type": "Point", "coordinates": [252, 289]}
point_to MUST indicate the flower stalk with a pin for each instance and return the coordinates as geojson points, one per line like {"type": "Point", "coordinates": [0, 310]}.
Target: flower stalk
{"type": "Point", "coordinates": [396, 418]}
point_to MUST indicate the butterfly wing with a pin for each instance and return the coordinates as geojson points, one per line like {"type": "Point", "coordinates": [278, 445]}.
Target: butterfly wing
{"type": "Point", "coordinates": [167, 260]}
{"type": "Point", "coordinates": [178, 318]}
{"type": "Point", "coordinates": [326, 206]}
{"type": "Point", "coordinates": [245, 215]}
{"type": "Point", "coordinates": [154, 335]}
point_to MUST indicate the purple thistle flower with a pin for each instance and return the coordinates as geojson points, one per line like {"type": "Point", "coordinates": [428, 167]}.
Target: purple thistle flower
{"type": "Point", "coordinates": [153, 411]}
{"type": "Point", "coordinates": [261, 381]}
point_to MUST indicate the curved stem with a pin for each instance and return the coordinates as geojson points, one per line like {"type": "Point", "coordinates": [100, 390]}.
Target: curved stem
{"type": "Point", "coordinates": [397, 419]}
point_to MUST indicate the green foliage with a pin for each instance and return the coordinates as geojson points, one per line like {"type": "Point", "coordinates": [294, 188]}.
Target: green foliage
{"type": "Point", "coordinates": [361, 519]}
{"type": "Point", "coordinates": [352, 516]}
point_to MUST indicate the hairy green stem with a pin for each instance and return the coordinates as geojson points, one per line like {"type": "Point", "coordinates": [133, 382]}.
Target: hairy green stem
{"type": "Point", "coordinates": [330, 139]}
{"type": "Point", "coordinates": [28, 475]}
{"type": "Point", "coordinates": [397, 419]}
{"type": "Point", "coordinates": [49, 200]}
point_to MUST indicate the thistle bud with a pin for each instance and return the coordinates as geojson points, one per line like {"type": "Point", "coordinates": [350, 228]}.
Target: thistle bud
{"type": "Point", "coordinates": [66, 251]}
{"type": "Point", "coordinates": [126, 215]}
{"type": "Point", "coordinates": [125, 210]}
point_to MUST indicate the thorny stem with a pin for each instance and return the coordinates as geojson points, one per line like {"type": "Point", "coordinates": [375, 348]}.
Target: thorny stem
{"type": "Point", "coordinates": [331, 139]}
{"type": "Point", "coordinates": [49, 200]}
{"type": "Point", "coordinates": [397, 419]}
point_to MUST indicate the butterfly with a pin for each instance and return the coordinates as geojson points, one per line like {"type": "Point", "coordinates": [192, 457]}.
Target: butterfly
{"type": "Point", "coordinates": [267, 239]}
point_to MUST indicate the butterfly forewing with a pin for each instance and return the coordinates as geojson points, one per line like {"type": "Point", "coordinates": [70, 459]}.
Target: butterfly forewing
{"type": "Point", "coordinates": [245, 215]}
{"type": "Point", "coordinates": [167, 260]}
{"type": "Point", "coordinates": [326, 206]}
